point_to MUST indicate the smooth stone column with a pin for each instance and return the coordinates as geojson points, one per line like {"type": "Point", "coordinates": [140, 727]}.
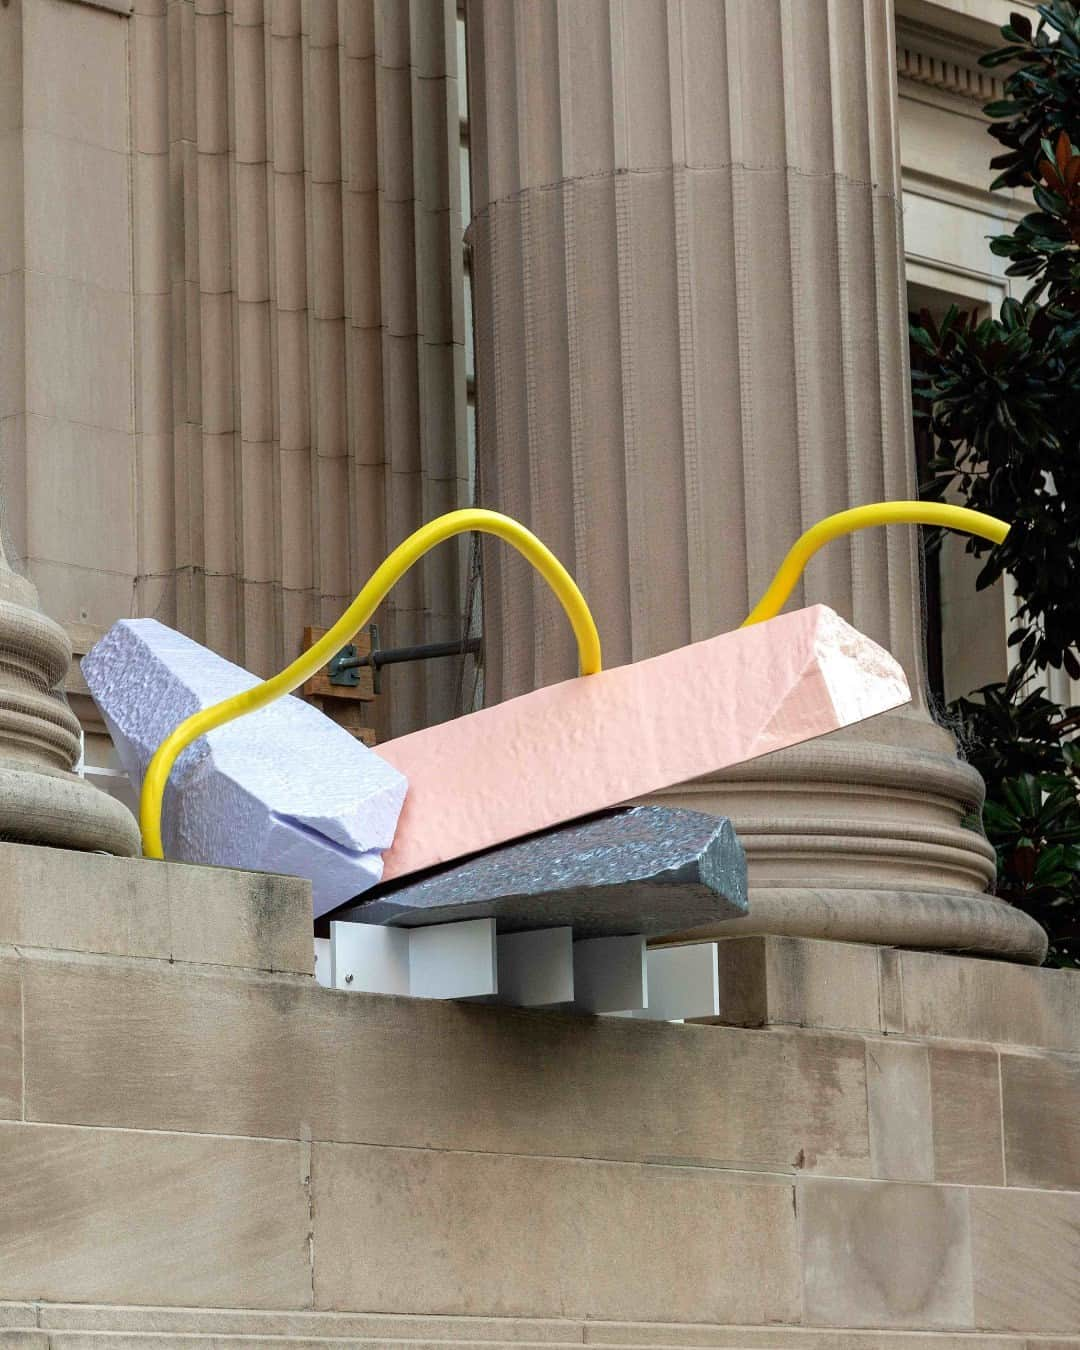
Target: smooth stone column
{"type": "Point", "coordinates": [41, 800]}
{"type": "Point", "coordinates": [690, 325]}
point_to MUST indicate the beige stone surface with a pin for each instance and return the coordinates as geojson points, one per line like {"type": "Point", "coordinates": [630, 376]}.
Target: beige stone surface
{"type": "Point", "coordinates": [168, 1049]}
{"type": "Point", "coordinates": [75, 73]}
{"type": "Point", "coordinates": [767, 981]}
{"type": "Point", "coordinates": [885, 1254]}
{"type": "Point", "coordinates": [461, 1233]}
{"type": "Point", "coordinates": [380, 1328]}
{"type": "Point", "coordinates": [86, 475]}
{"type": "Point", "coordinates": [966, 1113]}
{"type": "Point", "coordinates": [18, 1315]}
{"type": "Point", "coordinates": [85, 1326]}
{"type": "Point", "coordinates": [752, 1339]}
{"type": "Point", "coordinates": [79, 352]}
{"type": "Point", "coordinates": [783, 981]}
{"type": "Point", "coordinates": [964, 999]}
{"type": "Point", "coordinates": [1041, 1109]}
{"type": "Point", "coordinates": [120, 1216]}
{"type": "Point", "coordinates": [12, 354]}
{"type": "Point", "coordinates": [93, 244]}
{"type": "Point", "coordinates": [11, 1065]}
{"type": "Point", "coordinates": [11, 204]}
{"type": "Point", "coordinates": [797, 1338]}
{"type": "Point", "coordinates": [1025, 1254]}
{"type": "Point", "coordinates": [898, 1097]}
{"type": "Point", "coordinates": [66, 901]}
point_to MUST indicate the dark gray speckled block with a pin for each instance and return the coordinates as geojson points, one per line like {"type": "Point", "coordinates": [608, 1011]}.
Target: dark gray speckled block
{"type": "Point", "coordinates": [644, 869]}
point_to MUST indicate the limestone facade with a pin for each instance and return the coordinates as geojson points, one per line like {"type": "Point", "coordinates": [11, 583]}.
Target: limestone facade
{"type": "Point", "coordinates": [879, 1148]}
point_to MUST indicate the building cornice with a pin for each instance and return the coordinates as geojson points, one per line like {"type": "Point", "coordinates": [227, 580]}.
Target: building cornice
{"type": "Point", "coordinates": [955, 78]}
{"type": "Point", "coordinates": [939, 59]}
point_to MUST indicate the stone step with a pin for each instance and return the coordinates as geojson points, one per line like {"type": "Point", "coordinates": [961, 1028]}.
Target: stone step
{"type": "Point", "coordinates": [383, 1329]}
{"type": "Point", "coordinates": [92, 1327]}
{"type": "Point", "coordinates": [157, 912]}
{"type": "Point", "coordinates": [735, 1339]}
{"type": "Point", "coordinates": [168, 1340]}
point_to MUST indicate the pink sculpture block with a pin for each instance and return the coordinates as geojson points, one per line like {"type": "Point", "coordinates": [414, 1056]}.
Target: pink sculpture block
{"type": "Point", "coordinates": [594, 742]}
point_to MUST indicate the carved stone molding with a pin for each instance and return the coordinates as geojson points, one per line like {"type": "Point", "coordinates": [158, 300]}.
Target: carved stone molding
{"type": "Point", "coordinates": [41, 800]}
{"type": "Point", "coordinates": [952, 77]}
{"type": "Point", "coordinates": [930, 54]}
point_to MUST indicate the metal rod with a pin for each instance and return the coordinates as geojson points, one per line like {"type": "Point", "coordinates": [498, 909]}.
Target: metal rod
{"type": "Point", "coordinates": [392, 656]}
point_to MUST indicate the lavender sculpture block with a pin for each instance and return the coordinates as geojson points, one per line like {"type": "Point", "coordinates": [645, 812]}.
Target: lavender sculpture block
{"type": "Point", "coordinates": [645, 869]}
{"type": "Point", "coordinates": [281, 790]}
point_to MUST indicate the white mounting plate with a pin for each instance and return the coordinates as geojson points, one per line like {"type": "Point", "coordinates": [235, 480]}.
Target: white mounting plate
{"type": "Point", "coordinates": [617, 976]}
{"type": "Point", "coordinates": [610, 974]}
{"type": "Point", "coordinates": [447, 960]}
{"type": "Point", "coordinates": [683, 982]}
{"type": "Point", "coordinates": [536, 969]}
{"type": "Point", "coordinates": [369, 958]}
{"type": "Point", "coordinates": [452, 960]}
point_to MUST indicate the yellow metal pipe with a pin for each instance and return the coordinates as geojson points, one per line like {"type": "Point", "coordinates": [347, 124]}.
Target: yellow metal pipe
{"type": "Point", "coordinates": [858, 518]}
{"type": "Point", "coordinates": [346, 628]}
{"type": "Point", "coordinates": [557, 577]}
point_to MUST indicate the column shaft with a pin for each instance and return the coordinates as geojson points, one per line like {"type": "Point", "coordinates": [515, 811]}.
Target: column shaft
{"type": "Point", "coordinates": [690, 330]}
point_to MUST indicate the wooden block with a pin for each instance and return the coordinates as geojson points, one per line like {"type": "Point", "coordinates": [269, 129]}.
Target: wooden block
{"type": "Point", "coordinates": [350, 716]}
{"type": "Point", "coordinates": [319, 685]}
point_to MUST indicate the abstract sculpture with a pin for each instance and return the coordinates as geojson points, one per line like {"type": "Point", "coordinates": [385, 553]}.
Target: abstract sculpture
{"type": "Point", "coordinates": [289, 791]}
{"type": "Point", "coordinates": [503, 774]}
{"type": "Point", "coordinates": [646, 869]}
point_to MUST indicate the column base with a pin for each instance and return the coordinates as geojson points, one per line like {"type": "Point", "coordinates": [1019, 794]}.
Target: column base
{"type": "Point", "coordinates": [872, 835]}
{"type": "Point", "coordinates": [976, 925]}
{"type": "Point", "coordinates": [62, 811]}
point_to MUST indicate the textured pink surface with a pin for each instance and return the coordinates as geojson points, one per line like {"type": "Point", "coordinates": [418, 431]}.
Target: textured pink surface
{"type": "Point", "coordinates": [591, 743]}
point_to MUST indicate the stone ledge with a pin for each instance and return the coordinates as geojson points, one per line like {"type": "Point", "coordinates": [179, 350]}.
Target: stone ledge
{"type": "Point", "coordinates": [159, 1328]}
{"type": "Point", "coordinates": [850, 987]}
{"type": "Point", "coordinates": [139, 1045]}
{"type": "Point", "coordinates": [89, 902]}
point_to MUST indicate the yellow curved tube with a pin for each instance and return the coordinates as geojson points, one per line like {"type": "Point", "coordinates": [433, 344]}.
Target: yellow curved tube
{"type": "Point", "coordinates": [346, 628]}
{"type": "Point", "coordinates": [557, 577]}
{"type": "Point", "coordinates": [858, 518]}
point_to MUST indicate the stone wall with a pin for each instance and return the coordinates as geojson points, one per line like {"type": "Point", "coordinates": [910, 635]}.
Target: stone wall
{"type": "Point", "coordinates": [199, 1141]}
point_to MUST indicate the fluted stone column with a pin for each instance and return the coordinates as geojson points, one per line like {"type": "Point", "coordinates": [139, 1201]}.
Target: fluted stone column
{"type": "Point", "coordinates": [232, 346]}
{"type": "Point", "coordinates": [690, 325]}
{"type": "Point", "coordinates": [41, 800]}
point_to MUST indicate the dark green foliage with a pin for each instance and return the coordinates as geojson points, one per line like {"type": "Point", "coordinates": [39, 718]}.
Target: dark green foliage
{"type": "Point", "coordinates": [1042, 92]}
{"type": "Point", "coordinates": [1002, 397]}
{"type": "Point", "coordinates": [1031, 816]}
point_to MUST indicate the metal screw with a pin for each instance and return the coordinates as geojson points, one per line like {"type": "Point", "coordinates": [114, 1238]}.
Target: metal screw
{"type": "Point", "coordinates": [348, 979]}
